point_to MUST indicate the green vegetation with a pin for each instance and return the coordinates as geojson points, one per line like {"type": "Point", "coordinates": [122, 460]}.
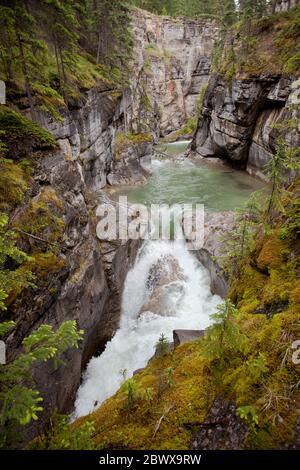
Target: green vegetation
{"type": "Point", "coordinates": [51, 50]}
{"type": "Point", "coordinates": [268, 44]}
{"type": "Point", "coordinates": [214, 8]}
{"type": "Point", "coordinates": [11, 279]}
{"type": "Point", "coordinates": [125, 141]}
{"type": "Point", "coordinates": [20, 402]}
{"type": "Point", "coordinates": [187, 130]}
{"type": "Point", "coordinates": [200, 100]}
{"type": "Point", "coordinates": [14, 184]}
{"type": "Point", "coordinates": [62, 437]}
{"type": "Point", "coordinates": [129, 389]}
{"type": "Point", "coordinates": [162, 346]}
{"type": "Point", "coordinates": [42, 217]}
{"type": "Point", "coordinates": [20, 136]}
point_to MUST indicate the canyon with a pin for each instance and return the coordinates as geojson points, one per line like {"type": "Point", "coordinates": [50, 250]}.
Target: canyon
{"type": "Point", "coordinates": [173, 59]}
{"type": "Point", "coordinates": [172, 62]}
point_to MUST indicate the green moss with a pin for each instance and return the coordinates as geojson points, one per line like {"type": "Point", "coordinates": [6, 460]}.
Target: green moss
{"type": "Point", "coordinates": [14, 183]}
{"type": "Point", "coordinates": [272, 252]}
{"type": "Point", "coordinates": [45, 264]}
{"type": "Point", "coordinates": [153, 51]}
{"type": "Point", "coordinates": [123, 142]}
{"type": "Point", "coordinates": [184, 401]}
{"type": "Point", "coordinates": [42, 265]}
{"type": "Point", "coordinates": [268, 45]}
{"type": "Point", "coordinates": [189, 128]}
{"type": "Point", "coordinates": [22, 136]}
{"type": "Point", "coordinates": [43, 217]}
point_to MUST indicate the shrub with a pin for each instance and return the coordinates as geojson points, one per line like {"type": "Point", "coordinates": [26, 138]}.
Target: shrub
{"type": "Point", "coordinates": [162, 346]}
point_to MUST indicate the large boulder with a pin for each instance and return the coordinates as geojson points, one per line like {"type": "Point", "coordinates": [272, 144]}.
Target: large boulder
{"type": "Point", "coordinates": [165, 284]}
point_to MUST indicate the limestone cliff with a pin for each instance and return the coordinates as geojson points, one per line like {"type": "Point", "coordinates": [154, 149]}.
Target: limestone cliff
{"type": "Point", "coordinates": [251, 96]}
{"type": "Point", "coordinates": [239, 120]}
{"type": "Point", "coordinates": [172, 61]}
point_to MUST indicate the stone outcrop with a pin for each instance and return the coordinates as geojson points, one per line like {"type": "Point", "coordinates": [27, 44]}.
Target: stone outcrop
{"type": "Point", "coordinates": [240, 117]}
{"type": "Point", "coordinates": [283, 5]}
{"type": "Point", "coordinates": [131, 160]}
{"type": "Point", "coordinates": [165, 287]}
{"type": "Point", "coordinates": [216, 225]}
{"type": "Point", "coordinates": [85, 285]}
{"type": "Point", "coordinates": [222, 429]}
{"type": "Point", "coordinates": [184, 336]}
{"type": "Point", "coordinates": [86, 134]}
{"type": "Point", "coordinates": [172, 62]}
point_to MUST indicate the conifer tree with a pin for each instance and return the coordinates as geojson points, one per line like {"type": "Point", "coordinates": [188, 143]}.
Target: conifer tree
{"type": "Point", "coordinates": [20, 402]}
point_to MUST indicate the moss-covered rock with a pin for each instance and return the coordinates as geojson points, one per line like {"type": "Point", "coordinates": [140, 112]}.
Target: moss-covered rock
{"type": "Point", "coordinates": [43, 217]}
{"type": "Point", "coordinates": [22, 136]}
{"type": "Point", "coordinates": [14, 183]}
{"type": "Point", "coordinates": [125, 142]}
{"type": "Point", "coordinates": [267, 45]}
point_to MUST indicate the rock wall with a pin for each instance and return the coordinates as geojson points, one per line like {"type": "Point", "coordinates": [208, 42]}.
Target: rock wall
{"type": "Point", "coordinates": [85, 280]}
{"type": "Point", "coordinates": [172, 62]}
{"type": "Point", "coordinates": [216, 226]}
{"type": "Point", "coordinates": [240, 117]}
{"type": "Point", "coordinates": [283, 5]}
{"type": "Point", "coordinates": [85, 284]}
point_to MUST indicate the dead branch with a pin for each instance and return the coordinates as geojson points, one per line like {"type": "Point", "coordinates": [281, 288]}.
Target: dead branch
{"type": "Point", "coordinates": [157, 426]}
{"type": "Point", "coordinates": [34, 236]}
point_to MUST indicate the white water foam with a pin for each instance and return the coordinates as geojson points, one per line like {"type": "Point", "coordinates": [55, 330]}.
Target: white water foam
{"type": "Point", "coordinates": [134, 342]}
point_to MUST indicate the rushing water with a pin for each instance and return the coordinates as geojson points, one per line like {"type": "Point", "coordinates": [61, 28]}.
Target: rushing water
{"type": "Point", "coordinates": [133, 344]}
{"type": "Point", "coordinates": [167, 288]}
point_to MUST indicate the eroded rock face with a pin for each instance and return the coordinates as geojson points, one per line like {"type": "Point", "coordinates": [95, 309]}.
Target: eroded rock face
{"type": "Point", "coordinates": [263, 142]}
{"type": "Point", "coordinates": [85, 286]}
{"type": "Point", "coordinates": [172, 62]}
{"type": "Point", "coordinates": [133, 164]}
{"type": "Point", "coordinates": [184, 336]}
{"type": "Point", "coordinates": [239, 118]}
{"type": "Point", "coordinates": [217, 224]}
{"type": "Point", "coordinates": [86, 134]}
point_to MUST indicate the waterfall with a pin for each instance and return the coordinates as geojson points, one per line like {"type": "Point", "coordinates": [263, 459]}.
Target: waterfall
{"type": "Point", "coordinates": [169, 279]}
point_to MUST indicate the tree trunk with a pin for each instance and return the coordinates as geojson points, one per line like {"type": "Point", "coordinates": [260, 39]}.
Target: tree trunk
{"type": "Point", "coordinates": [26, 78]}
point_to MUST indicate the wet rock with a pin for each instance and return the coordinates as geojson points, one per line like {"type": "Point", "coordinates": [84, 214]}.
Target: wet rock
{"type": "Point", "coordinates": [133, 164]}
{"type": "Point", "coordinates": [165, 286]}
{"type": "Point", "coordinates": [184, 336]}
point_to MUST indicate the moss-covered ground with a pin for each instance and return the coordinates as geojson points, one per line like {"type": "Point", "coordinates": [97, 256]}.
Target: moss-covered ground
{"type": "Point", "coordinates": [269, 45]}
